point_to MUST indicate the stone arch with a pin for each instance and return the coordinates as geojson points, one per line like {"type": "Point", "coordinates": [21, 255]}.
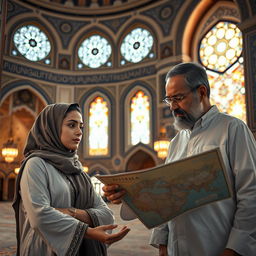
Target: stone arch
{"type": "Point", "coordinates": [139, 160]}
{"type": "Point", "coordinates": [25, 84]}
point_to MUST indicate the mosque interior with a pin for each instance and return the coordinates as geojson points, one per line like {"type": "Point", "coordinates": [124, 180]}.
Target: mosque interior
{"type": "Point", "coordinates": [111, 57]}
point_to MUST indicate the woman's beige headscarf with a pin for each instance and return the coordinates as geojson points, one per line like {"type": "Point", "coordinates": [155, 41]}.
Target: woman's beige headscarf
{"type": "Point", "coordinates": [44, 141]}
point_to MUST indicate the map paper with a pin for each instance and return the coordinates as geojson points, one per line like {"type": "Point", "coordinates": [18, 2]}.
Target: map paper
{"type": "Point", "coordinates": [161, 193]}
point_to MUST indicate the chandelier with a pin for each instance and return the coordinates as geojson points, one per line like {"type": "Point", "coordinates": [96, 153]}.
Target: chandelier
{"type": "Point", "coordinates": [161, 146]}
{"type": "Point", "coordinates": [9, 151]}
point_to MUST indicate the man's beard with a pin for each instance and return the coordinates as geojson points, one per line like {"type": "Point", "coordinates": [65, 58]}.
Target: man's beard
{"type": "Point", "coordinates": [186, 121]}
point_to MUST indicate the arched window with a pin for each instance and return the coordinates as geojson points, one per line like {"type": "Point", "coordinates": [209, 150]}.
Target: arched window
{"type": "Point", "coordinates": [220, 51]}
{"type": "Point", "coordinates": [140, 118]}
{"type": "Point", "coordinates": [136, 46]}
{"type": "Point", "coordinates": [32, 43]}
{"type": "Point", "coordinates": [94, 52]}
{"type": "Point", "coordinates": [98, 127]}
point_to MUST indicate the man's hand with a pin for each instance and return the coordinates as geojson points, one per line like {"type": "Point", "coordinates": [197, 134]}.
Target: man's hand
{"type": "Point", "coordinates": [99, 233]}
{"type": "Point", "coordinates": [163, 250]}
{"type": "Point", "coordinates": [229, 252]}
{"type": "Point", "coordinates": [113, 193]}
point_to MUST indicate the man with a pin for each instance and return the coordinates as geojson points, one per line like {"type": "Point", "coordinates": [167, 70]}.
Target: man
{"type": "Point", "coordinates": [222, 228]}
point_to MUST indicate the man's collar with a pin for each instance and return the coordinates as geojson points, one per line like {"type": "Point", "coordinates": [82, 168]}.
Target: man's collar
{"type": "Point", "coordinates": [207, 117]}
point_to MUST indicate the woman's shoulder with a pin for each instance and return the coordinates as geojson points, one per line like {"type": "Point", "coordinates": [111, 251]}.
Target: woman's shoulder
{"type": "Point", "coordinates": [36, 162]}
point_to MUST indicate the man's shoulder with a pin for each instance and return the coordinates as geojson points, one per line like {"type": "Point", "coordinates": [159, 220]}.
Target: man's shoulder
{"type": "Point", "coordinates": [183, 134]}
{"type": "Point", "coordinates": [229, 118]}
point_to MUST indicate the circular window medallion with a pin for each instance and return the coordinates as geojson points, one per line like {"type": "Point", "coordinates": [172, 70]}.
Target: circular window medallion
{"type": "Point", "coordinates": [137, 45]}
{"type": "Point", "coordinates": [32, 43]}
{"type": "Point", "coordinates": [94, 51]}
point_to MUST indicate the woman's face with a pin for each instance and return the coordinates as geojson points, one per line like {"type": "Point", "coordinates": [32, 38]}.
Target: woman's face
{"type": "Point", "coordinates": [72, 130]}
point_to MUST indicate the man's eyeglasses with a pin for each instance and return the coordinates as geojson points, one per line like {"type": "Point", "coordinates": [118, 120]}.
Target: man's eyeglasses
{"type": "Point", "coordinates": [176, 99]}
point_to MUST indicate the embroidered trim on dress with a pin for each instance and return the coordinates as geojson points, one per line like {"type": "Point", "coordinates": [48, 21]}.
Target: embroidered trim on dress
{"type": "Point", "coordinates": [77, 239]}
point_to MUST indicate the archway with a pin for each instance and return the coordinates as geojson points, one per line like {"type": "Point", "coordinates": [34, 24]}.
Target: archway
{"type": "Point", "coordinates": [17, 114]}
{"type": "Point", "coordinates": [140, 160]}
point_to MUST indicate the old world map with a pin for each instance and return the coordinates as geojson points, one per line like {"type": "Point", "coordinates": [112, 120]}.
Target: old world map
{"type": "Point", "coordinates": [159, 194]}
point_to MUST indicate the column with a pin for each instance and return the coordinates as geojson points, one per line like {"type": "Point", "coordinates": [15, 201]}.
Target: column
{"type": "Point", "coordinates": [248, 28]}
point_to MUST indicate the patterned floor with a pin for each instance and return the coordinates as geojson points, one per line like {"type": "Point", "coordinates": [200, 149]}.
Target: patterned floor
{"type": "Point", "coordinates": [134, 244]}
{"type": "Point", "coordinates": [7, 230]}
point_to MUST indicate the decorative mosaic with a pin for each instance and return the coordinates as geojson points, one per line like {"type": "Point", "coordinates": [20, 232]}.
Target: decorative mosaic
{"type": "Point", "coordinates": [115, 24]}
{"type": "Point", "coordinates": [14, 9]}
{"type": "Point", "coordinates": [65, 28]}
{"type": "Point", "coordinates": [166, 49]}
{"type": "Point", "coordinates": [64, 61]}
{"type": "Point", "coordinates": [24, 97]}
{"type": "Point", "coordinates": [164, 15]}
{"type": "Point", "coordinates": [219, 14]}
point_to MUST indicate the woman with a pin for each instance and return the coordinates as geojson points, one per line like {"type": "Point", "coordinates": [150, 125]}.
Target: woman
{"type": "Point", "coordinates": [56, 208]}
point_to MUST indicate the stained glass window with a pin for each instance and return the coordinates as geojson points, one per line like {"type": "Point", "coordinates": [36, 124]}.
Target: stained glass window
{"type": "Point", "coordinates": [32, 43]}
{"type": "Point", "coordinates": [136, 45]}
{"type": "Point", "coordinates": [95, 51]}
{"type": "Point", "coordinates": [140, 118]}
{"type": "Point", "coordinates": [220, 52]}
{"type": "Point", "coordinates": [98, 127]}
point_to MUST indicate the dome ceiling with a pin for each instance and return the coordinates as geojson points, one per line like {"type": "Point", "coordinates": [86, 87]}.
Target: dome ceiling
{"type": "Point", "coordinates": [89, 7]}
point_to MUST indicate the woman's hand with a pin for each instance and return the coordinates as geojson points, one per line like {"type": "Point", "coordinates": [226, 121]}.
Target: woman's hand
{"type": "Point", "coordinates": [78, 214]}
{"type": "Point", "coordinates": [99, 233]}
{"type": "Point", "coordinates": [113, 193]}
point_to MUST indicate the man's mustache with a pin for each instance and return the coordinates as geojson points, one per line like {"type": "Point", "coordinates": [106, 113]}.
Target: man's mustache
{"type": "Point", "coordinates": [179, 112]}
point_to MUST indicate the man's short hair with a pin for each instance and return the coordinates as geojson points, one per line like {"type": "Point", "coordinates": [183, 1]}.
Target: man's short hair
{"type": "Point", "coordinates": [194, 75]}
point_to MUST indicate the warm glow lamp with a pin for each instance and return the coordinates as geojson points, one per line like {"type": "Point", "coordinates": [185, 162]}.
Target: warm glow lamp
{"type": "Point", "coordinates": [9, 151]}
{"type": "Point", "coordinates": [161, 147]}
{"type": "Point", "coordinates": [86, 169]}
{"type": "Point", "coordinates": [16, 170]}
